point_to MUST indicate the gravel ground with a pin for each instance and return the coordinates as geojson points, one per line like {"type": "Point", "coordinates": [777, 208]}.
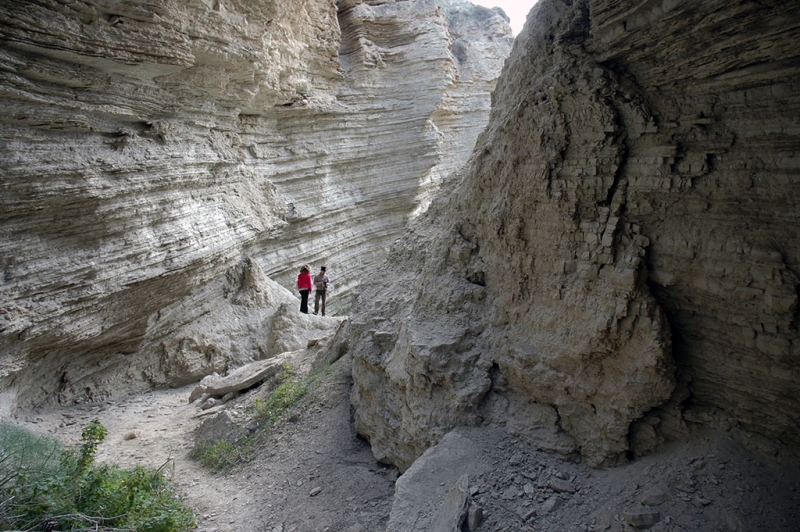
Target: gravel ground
{"type": "Point", "coordinates": [313, 473]}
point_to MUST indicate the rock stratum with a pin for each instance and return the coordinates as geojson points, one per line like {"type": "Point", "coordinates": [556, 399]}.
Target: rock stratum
{"type": "Point", "coordinates": [616, 263]}
{"type": "Point", "coordinates": [619, 260]}
{"type": "Point", "coordinates": [166, 167]}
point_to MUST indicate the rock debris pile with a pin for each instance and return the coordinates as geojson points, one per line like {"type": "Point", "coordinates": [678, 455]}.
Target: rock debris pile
{"type": "Point", "coordinates": [709, 483]}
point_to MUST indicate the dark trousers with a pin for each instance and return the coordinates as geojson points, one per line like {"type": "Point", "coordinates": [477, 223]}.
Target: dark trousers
{"type": "Point", "coordinates": [304, 301]}
{"type": "Point", "coordinates": [319, 294]}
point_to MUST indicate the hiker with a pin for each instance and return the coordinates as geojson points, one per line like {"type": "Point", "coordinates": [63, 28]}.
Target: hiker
{"type": "Point", "coordinates": [304, 286]}
{"type": "Point", "coordinates": [321, 286]}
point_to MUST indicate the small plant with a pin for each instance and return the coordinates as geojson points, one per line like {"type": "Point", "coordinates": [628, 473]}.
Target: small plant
{"type": "Point", "coordinates": [268, 412]}
{"type": "Point", "coordinates": [274, 408]}
{"type": "Point", "coordinates": [340, 307]}
{"type": "Point", "coordinates": [46, 486]}
{"type": "Point", "coordinates": [93, 434]}
{"type": "Point", "coordinates": [220, 456]}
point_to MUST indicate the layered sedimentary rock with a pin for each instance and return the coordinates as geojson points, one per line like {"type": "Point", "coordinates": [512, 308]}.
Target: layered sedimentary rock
{"type": "Point", "coordinates": [620, 257]}
{"type": "Point", "coordinates": [407, 112]}
{"type": "Point", "coordinates": [163, 164]}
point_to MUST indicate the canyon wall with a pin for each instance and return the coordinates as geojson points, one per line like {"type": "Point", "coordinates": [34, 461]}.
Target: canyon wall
{"type": "Point", "coordinates": [619, 260]}
{"type": "Point", "coordinates": [166, 167]}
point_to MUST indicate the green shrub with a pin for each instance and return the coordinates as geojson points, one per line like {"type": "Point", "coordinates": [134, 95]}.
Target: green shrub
{"type": "Point", "coordinates": [46, 486]}
{"type": "Point", "coordinates": [22, 453]}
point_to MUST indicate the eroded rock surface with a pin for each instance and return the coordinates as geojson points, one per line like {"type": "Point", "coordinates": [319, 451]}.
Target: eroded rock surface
{"type": "Point", "coordinates": [620, 258]}
{"type": "Point", "coordinates": [160, 163]}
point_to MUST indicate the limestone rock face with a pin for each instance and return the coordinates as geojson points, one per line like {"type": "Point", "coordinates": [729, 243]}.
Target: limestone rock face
{"type": "Point", "coordinates": [164, 165]}
{"type": "Point", "coordinates": [621, 251]}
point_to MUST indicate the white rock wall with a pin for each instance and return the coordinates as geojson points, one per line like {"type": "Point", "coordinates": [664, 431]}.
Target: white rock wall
{"type": "Point", "coordinates": [406, 115]}
{"type": "Point", "coordinates": [152, 153]}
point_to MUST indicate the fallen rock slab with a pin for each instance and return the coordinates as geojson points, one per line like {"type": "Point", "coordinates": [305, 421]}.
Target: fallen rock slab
{"type": "Point", "coordinates": [551, 505]}
{"type": "Point", "coordinates": [239, 379]}
{"type": "Point", "coordinates": [453, 511]}
{"type": "Point", "coordinates": [561, 486]}
{"type": "Point", "coordinates": [655, 496]}
{"type": "Point", "coordinates": [422, 492]}
{"type": "Point", "coordinates": [474, 517]}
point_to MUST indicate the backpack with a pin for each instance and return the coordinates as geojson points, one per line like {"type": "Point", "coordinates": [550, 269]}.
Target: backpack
{"type": "Point", "coordinates": [320, 283]}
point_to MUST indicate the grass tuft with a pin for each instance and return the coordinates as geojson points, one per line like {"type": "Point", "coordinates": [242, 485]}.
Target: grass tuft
{"type": "Point", "coordinates": [275, 407]}
{"type": "Point", "coordinates": [220, 456]}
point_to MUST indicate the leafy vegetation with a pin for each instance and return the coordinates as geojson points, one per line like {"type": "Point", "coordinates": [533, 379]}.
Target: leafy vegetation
{"type": "Point", "coordinates": [45, 486]}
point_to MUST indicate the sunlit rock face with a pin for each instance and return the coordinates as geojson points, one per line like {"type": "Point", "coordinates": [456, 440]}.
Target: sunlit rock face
{"type": "Point", "coordinates": [407, 112]}
{"type": "Point", "coordinates": [163, 164]}
{"type": "Point", "coordinates": [619, 260]}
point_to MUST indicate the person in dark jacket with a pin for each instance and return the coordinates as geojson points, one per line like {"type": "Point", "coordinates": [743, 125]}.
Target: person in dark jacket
{"type": "Point", "coordinates": [321, 287]}
{"type": "Point", "coordinates": [304, 285]}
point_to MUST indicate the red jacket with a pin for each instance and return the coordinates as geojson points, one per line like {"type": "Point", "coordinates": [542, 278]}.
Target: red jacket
{"type": "Point", "coordinates": [304, 281]}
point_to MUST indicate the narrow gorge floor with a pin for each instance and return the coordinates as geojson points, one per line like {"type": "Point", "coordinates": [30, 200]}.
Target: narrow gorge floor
{"type": "Point", "coordinates": [315, 474]}
{"type": "Point", "coordinates": [317, 448]}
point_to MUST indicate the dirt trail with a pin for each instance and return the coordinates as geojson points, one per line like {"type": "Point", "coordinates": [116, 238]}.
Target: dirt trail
{"type": "Point", "coordinates": [315, 474]}
{"type": "Point", "coordinates": [317, 449]}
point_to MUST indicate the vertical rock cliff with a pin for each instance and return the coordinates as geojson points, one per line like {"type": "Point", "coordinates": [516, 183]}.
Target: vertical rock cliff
{"type": "Point", "coordinates": [620, 258]}
{"type": "Point", "coordinates": [162, 164]}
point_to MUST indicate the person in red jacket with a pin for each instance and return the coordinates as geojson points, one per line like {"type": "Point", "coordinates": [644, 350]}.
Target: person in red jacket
{"type": "Point", "coordinates": [304, 284]}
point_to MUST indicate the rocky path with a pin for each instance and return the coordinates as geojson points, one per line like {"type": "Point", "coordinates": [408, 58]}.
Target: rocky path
{"type": "Point", "coordinates": [315, 474]}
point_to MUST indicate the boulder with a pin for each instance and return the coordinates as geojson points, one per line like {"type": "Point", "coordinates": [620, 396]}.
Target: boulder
{"type": "Point", "coordinates": [241, 378]}
{"type": "Point", "coordinates": [434, 491]}
{"type": "Point", "coordinates": [219, 428]}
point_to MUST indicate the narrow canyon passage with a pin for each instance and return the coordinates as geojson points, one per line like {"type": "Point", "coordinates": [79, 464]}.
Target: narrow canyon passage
{"type": "Point", "coordinates": [569, 259]}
